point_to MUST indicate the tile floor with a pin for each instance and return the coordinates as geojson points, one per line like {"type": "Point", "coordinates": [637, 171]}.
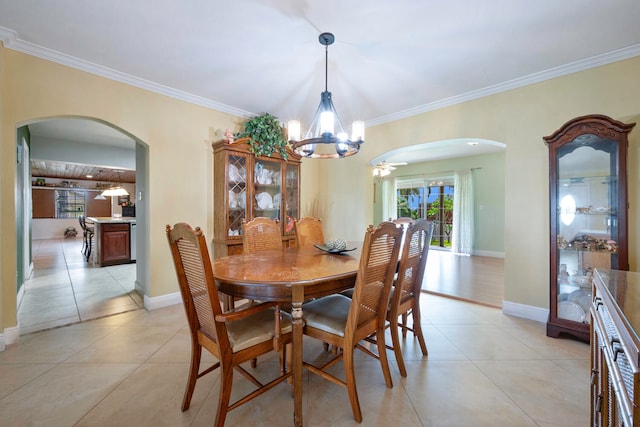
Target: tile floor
{"type": "Point", "coordinates": [483, 369]}
{"type": "Point", "coordinates": [65, 289]}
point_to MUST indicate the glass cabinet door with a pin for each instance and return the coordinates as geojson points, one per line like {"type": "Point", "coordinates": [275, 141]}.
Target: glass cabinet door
{"type": "Point", "coordinates": [292, 184]}
{"type": "Point", "coordinates": [237, 193]}
{"type": "Point", "coordinates": [267, 177]}
{"type": "Point", "coordinates": [588, 221]}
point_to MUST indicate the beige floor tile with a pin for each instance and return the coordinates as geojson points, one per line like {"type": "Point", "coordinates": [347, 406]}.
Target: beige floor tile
{"type": "Point", "coordinates": [55, 345]}
{"type": "Point", "coordinates": [125, 345]}
{"type": "Point", "coordinates": [545, 391]}
{"type": "Point", "coordinates": [459, 394]}
{"type": "Point", "coordinates": [62, 395]}
{"type": "Point", "coordinates": [151, 396]}
{"type": "Point", "coordinates": [14, 376]}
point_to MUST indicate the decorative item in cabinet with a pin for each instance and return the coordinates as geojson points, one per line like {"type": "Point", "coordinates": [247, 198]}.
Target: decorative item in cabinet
{"type": "Point", "coordinates": [248, 186]}
{"type": "Point", "coordinates": [588, 215]}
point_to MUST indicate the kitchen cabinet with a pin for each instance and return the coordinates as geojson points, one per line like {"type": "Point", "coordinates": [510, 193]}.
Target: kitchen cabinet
{"type": "Point", "coordinates": [112, 240]}
{"type": "Point", "coordinates": [248, 186]}
{"type": "Point", "coordinates": [615, 349]}
{"type": "Point", "coordinates": [43, 202]}
{"type": "Point", "coordinates": [588, 215]}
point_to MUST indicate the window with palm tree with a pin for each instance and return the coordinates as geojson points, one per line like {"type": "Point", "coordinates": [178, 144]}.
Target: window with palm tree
{"type": "Point", "coordinates": [430, 199]}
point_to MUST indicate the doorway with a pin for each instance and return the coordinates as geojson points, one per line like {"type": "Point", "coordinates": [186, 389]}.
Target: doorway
{"type": "Point", "coordinates": [48, 261]}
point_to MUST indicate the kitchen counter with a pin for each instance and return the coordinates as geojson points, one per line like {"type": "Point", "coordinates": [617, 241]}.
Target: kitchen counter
{"type": "Point", "coordinates": [113, 243]}
{"type": "Point", "coordinates": [111, 219]}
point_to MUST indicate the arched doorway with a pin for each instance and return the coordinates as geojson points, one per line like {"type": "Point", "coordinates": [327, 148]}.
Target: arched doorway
{"type": "Point", "coordinates": [65, 147]}
{"type": "Point", "coordinates": [420, 171]}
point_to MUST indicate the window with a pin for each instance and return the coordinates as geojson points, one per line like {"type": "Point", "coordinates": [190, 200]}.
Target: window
{"type": "Point", "coordinates": [70, 203]}
{"type": "Point", "coordinates": [431, 199]}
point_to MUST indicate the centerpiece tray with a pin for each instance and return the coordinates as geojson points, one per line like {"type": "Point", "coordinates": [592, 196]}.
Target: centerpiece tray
{"type": "Point", "coordinates": [326, 249]}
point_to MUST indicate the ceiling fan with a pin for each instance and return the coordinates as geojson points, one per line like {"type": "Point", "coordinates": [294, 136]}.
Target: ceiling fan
{"type": "Point", "coordinates": [383, 168]}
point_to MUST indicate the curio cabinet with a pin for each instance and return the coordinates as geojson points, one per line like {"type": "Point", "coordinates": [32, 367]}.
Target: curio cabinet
{"type": "Point", "coordinates": [588, 215]}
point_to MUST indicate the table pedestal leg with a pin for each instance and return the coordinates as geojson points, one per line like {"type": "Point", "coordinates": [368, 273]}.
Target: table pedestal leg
{"type": "Point", "coordinates": [296, 313]}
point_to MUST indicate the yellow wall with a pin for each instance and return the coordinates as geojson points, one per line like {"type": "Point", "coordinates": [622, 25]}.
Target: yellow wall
{"type": "Point", "coordinates": [520, 118]}
{"type": "Point", "coordinates": [179, 137]}
{"type": "Point", "coordinates": [178, 134]}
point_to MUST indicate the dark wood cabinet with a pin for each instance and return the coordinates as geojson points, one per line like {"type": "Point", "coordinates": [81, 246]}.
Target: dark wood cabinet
{"type": "Point", "coordinates": [114, 244]}
{"type": "Point", "coordinates": [246, 187]}
{"type": "Point", "coordinates": [588, 215]}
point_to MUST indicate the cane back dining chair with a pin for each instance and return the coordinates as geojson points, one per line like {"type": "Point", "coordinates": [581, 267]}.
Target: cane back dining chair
{"type": "Point", "coordinates": [259, 234]}
{"type": "Point", "coordinates": [405, 295]}
{"type": "Point", "coordinates": [233, 337]}
{"type": "Point", "coordinates": [343, 322]}
{"type": "Point", "coordinates": [309, 232]}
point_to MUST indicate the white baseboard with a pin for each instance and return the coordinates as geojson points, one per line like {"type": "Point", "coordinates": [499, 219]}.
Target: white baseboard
{"type": "Point", "coordinates": [490, 254]}
{"type": "Point", "coordinates": [162, 301]}
{"type": "Point", "coordinates": [10, 336]}
{"type": "Point", "coordinates": [525, 311]}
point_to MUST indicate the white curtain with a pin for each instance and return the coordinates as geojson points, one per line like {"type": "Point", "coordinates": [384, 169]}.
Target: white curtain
{"type": "Point", "coordinates": [462, 234]}
{"type": "Point", "coordinates": [389, 193]}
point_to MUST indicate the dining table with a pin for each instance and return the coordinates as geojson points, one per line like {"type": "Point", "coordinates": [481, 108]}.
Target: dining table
{"type": "Point", "coordinates": [291, 275]}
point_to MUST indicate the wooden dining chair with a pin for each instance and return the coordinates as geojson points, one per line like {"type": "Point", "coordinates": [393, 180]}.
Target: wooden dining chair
{"type": "Point", "coordinates": [405, 294]}
{"type": "Point", "coordinates": [308, 231]}
{"type": "Point", "coordinates": [233, 337]}
{"type": "Point", "coordinates": [260, 234]}
{"type": "Point", "coordinates": [343, 322]}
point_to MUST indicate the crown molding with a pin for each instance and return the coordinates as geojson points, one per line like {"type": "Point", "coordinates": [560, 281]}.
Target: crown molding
{"type": "Point", "coordinates": [11, 41]}
{"type": "Point", "coordinates": [574, 67]}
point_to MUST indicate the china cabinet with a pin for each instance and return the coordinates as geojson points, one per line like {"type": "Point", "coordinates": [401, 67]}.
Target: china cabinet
{"type": "Point", "coordinates": [615, 349]}
{"type": "Point", "coordinates": [248, 186]}
{"type": "Point", "coordinates": [588, 215]}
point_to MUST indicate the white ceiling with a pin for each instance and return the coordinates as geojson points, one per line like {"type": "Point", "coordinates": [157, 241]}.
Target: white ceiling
{"type": "Point", "coordinates": [390, 59]}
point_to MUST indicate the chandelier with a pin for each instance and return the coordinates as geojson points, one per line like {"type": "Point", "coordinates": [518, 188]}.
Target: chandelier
{"type": "Point", "coordinates": [115, 190]}
{"type": "Point", "coordinates": [326, 127]}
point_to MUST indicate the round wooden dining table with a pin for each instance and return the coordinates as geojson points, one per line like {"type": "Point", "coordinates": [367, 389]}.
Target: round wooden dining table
{"type": "Point", "coordinates": [292, 275]}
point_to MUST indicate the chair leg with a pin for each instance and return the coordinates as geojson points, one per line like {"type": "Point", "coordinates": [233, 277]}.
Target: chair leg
{"type": "Point", "coordinates": [89, 244]}
{"type": "Point", "coordinates": [417, 330]}
{"type": "Point", "coordinates": [382, 355]}
{"type": "Point", "coordinates": [83, 251]}
{"type": "Point", "coordinates": [196, 354]}
{"type": "Point", "coordinates": [395, 339]}
{"type": "Point", "coordinates": [351, 383]}
{"type": "Point", "coordinates": [404, 325]}
{"type": "Point", "coordinates": [226, 381]}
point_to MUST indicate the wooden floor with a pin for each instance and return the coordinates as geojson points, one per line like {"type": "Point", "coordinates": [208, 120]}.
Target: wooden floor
{"type": "Point", "coordinates": [469, 278]}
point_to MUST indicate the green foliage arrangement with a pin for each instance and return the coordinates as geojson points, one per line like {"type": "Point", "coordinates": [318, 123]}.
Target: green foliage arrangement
{"type": "Point", "coordinates": [266, 136]}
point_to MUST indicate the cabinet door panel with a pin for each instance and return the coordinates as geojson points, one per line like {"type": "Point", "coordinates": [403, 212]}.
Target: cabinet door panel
{"type": "Point", "coordinates": [44, 203]}
{"type": "Point", "coordinates": [114, 244]}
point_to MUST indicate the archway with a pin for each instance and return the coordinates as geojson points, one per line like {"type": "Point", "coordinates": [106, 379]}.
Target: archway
{"type": "Point", "coordinates": [75, 140]}
{"type": "Point", "coordinates": [421, 166]}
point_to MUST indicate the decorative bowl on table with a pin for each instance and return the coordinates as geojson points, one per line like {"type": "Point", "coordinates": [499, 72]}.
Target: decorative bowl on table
{"type": "Point", "coordinates": [334, 246]}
